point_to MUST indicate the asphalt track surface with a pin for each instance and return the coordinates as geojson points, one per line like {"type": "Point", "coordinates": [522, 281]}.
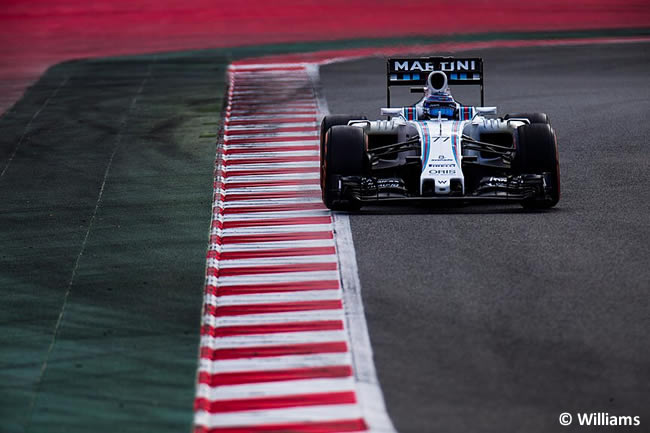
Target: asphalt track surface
{"type": "Point", "coordinates": [492, 319]}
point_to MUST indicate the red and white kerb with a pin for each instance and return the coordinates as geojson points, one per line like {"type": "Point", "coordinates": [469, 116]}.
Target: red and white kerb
{"type": "Point", "coordinates": [275, 349]}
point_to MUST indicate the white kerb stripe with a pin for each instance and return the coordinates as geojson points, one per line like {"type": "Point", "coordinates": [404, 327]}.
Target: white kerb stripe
{"type": "Point", "coordinates": [272, 318]}
{"type": "Point", "coordinates": [265, 246]}
{"type": "Point", "coordinates": [276, 416]}
{"type": "Point", "coordinates": [254, 340]}
{"type": "Point", "coordinates": [270, 297]}
{"type": "Point", "coordinates": [274, 363]}
{"type": "Point", "coordinates": [272, 278]}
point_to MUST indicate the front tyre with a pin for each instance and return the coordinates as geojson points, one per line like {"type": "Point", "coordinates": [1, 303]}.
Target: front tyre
{"type": "Point", "coordinates": [334, 120]}
{"type": "Point", "coordinates": [537, 153]}
{"type": "Point", "coordinates": [344, 150]}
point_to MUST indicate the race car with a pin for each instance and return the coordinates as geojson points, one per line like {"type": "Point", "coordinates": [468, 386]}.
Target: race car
{"type": "Point", "coordinates": [437, 148]}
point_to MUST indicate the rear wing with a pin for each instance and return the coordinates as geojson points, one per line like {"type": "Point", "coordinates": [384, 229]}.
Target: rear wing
{"type": "Point", "coordinates": [415, 70]}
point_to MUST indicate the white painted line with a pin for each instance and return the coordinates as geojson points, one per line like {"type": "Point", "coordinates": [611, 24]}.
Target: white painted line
{"type": "Point", "coordinates": [368, 387]}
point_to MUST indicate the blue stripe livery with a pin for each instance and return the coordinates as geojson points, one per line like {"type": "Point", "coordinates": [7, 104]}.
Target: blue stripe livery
{"type": "Point", "coordinates": [427, 147]}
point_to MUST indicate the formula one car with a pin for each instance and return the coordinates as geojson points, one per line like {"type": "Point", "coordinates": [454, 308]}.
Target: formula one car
{"type": "Point", "coordinates": [438, 149]}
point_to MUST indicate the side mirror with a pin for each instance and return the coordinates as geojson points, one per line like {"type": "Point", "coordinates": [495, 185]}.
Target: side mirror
{"type": "Point", "coordinates": [391, 111]}
{"type": "Point", "coordinates": [486, 110]}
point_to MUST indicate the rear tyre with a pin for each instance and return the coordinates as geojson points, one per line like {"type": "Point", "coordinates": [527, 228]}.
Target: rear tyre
{"type": "Point", "coordinates": [532, 117]}
{"type": "Point", "coordinates": [344, 149]}
{"type": "Point", "coordinates": [537, 154]}
{"type": "Point", "coordinates": [334, 120]}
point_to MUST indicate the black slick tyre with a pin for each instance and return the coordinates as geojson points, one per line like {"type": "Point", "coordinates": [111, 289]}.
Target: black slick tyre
{"type": "Point", "coordinates": [334, 120]}
{"type": "Point", "coordinates": [537, 153]}
{"type": "Point", "coordinates": [344, 150]}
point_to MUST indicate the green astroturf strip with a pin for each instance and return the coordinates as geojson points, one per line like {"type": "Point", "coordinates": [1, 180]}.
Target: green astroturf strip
{"type": "Point", "coordinates": [125, 353]}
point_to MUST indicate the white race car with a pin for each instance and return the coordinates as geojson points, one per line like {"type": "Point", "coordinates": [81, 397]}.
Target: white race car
{"type": "Point", "coordinates": [438, 149]}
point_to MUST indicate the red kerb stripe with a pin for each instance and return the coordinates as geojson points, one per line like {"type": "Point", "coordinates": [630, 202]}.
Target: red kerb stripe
{"type": "Point", "coordinates": [284, 401]}
{"type": "Point", "coordinates": [270, 351]}
{"type": "Point", "coordinates": [272, 328]}
{"type": "Point", "coordinates": [277, 222]}
{"type": "Point", "coordinates": [271, 237]}
{"type": "Point", "coordinates": [244, 377]}
{"type": "Point", "coordinates": [280, 252]}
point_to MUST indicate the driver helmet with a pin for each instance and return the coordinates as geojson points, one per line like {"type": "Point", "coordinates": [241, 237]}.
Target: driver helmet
{"type": "Point", "coordinates": [440, 103]}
